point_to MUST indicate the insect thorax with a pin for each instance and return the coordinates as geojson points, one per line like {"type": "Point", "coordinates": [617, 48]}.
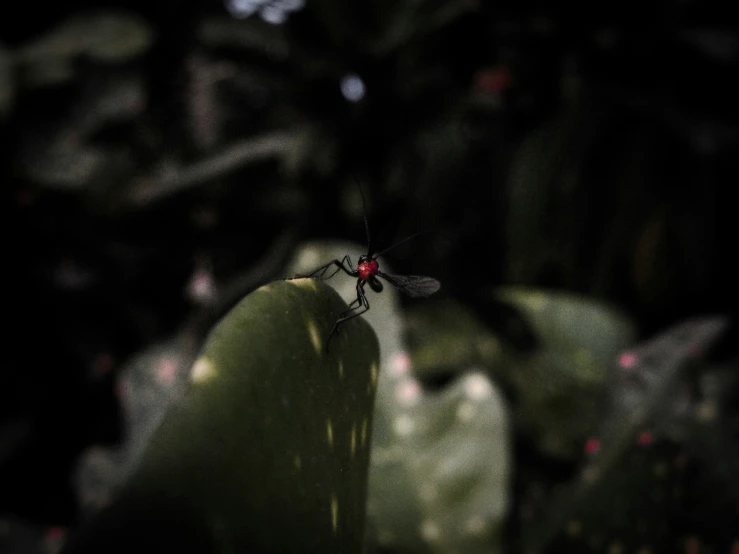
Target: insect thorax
{"type": "Point", "coordinates": [367, 267]}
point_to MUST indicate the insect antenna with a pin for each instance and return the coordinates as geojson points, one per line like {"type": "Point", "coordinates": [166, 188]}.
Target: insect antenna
{"type": "Point", "coordinates": [414, 235]}
{"type": "Point", "coordinates": [364, 215]}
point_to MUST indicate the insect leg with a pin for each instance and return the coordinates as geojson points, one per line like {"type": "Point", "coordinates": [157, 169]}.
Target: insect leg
{"type": "Point", "coordinates": [348, 261]}
{"type": "Point", "coordinates": [346, 315]}
{"type": "Point", "coordinates": [321, 271]}
{"type": "Point", "coordinates": [361, 302]}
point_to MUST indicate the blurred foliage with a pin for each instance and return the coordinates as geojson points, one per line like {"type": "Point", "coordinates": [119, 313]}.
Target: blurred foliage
{"type": "Point", "coordinates": [438, 349]}
{"type": "Point", "coordinates": [162, 160]}
{"type": "Point", "coordinates": [560, 387]}
{"type": "Point", "coordinates": [636, 485]}
{"type": "Point", "coordinates": [440, 475]}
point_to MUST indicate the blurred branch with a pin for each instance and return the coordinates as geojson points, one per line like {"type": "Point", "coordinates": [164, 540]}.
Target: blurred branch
{"type": "Point", "coordinates": [251, 35]}
{"type": "Point", "coordinates": [106, 36]}
{"type": "Point", "coordinates": [411, 24]}
{"type": "Point", "coordinates": [173, 178]}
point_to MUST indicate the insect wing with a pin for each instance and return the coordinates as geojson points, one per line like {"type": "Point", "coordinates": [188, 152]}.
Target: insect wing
{"type": "Point", "coordinates": [413, 285]}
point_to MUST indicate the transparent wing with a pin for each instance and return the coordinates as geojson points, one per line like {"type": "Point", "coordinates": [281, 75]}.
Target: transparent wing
{"type": "Point", "coordinates": [413, 285]}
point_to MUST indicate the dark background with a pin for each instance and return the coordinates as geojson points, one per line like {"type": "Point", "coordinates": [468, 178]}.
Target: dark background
{"type": "Point", "coordinates": [587, 152]}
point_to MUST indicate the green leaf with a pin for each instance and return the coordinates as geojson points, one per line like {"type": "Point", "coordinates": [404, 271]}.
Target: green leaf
{"type": "Point", "coordinates": [268, 451]}
{"type": "Point", "coordinates": [561, 385]}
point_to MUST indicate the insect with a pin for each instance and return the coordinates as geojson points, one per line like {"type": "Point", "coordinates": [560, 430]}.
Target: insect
{"type": "Point", "coordinates": [367, 272]}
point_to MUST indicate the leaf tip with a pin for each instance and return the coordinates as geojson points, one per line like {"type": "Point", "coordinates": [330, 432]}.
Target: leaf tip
{"type": "Point", "coordinates": [304, 283]}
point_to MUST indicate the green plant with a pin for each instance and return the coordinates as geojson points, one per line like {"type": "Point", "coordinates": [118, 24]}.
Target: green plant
{"type": "Point", "coordinates": [268, 450]}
